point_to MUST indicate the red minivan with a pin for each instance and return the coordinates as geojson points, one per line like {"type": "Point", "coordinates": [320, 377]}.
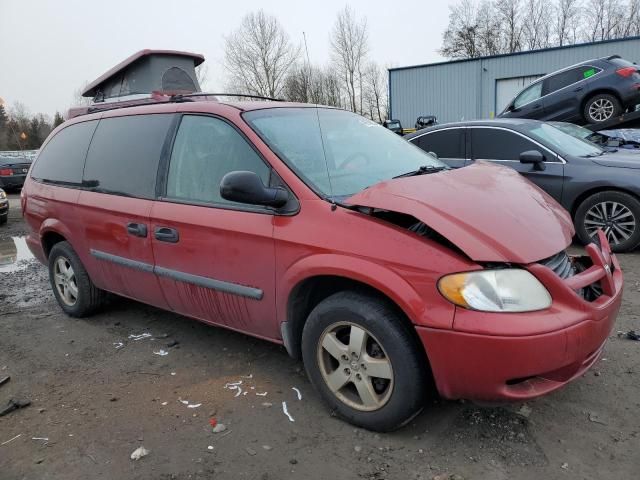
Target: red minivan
{"type": "Point", "coordinates": [315, 228]}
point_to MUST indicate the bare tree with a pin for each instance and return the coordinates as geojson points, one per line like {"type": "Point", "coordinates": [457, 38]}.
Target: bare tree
{"type": "Point", "coordinates": [349, 48]}
{"type": "Point", "coordinates": [202, 75]}
{"type": "Point", "coordinates": [508, 14]}
{"type": "Point", "coordinates": [258, 55]}
{"type": "Point", "coordinates": [460, 39]}
{"type": "Point", "coordinates": [603, 19]}
{"type": "Point", "coordinates": [488, 29]}
{"type": "Point", "coordinates": [535, 29]}
{"type": "Point", "coordinates": [376, 92]}
{"type": "Point", "coordinates": [568, 17]}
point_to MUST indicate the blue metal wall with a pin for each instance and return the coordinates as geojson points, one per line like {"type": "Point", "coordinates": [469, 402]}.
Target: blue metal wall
{"type": "Point", "coordinates": [465, 90]}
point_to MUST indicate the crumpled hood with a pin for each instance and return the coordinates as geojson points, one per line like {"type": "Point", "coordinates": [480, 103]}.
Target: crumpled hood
{"type": "Point", "coordinates": [490, 212]}
{"type": "Point", "coordinates": [621, 159]}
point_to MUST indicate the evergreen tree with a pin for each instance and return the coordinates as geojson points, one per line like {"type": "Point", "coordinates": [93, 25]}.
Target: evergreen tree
{"type": "Point", "coordinates": [57, 120]}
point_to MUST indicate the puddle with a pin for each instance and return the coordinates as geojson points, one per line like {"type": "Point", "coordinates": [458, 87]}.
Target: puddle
{"type": "Point", "coordinates": [14, 254]}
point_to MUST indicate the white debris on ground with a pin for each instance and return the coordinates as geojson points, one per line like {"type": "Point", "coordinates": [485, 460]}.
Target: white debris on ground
{"type": "Point", "coordinates": [139, 452]}
{"type": "Point", "coordinates": [118, 345]}
{"type": "Point", "coordinates": [189, 404]}
{"type": "Point", "coordinates": [286, 412]}
{"type": "Point", "coordinates": [141, 336]}
{"type": "Point", "coordinates": [297, 392]}
{"type": "Point", "coordinates": [162, 353]}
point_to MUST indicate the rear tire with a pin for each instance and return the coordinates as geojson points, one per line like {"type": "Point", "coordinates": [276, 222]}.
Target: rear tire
{"type": "Point", "coordinates": [601, 107]}
{"type": "Point", "coordinates": [369, 342]}
{"type": "Point", "coordinates": [616, 213]}
{"type": "Point", "coordinates": [75, 292]}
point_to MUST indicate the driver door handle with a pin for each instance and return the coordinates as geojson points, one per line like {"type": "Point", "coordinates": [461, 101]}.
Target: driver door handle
{"type": "Point", "coordinates": [137, 229]}
{"type": "Point", "coordinates": [167, 234]}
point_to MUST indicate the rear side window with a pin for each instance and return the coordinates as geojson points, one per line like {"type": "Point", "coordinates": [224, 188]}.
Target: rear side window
{"type": "Point", "coordinates": [495, 144]}
{"type": "Point", "coordinates": [124, 155]}
{"type": "Point", "coordinates": [204, 151]}
{"type": "Point", "coordinates": [62, 158]}
{"type": "Point", "coordinates": [569, 77]}
{"type": "Point", "coordinates": [444, 143]}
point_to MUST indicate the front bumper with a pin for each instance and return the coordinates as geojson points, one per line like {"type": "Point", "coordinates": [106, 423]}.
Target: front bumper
{"type": "Point", "coordinates": [511, 357]}
{"type": "Point", "coordinates": [4, 207]}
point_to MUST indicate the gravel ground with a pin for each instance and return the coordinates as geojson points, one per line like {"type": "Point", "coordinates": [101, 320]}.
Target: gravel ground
{"type": "Point", "coordinates": [97, 395]}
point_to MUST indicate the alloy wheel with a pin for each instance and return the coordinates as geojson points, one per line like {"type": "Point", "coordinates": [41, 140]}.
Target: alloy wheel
{"type": "Point", "coordinates": [64, 279]}
{"type": "Point", "coordinates": [355, 366]}
{"type": "Point", "coordinates": [615, 219]}
{"type": "Point", "coordinates": [601, 110]}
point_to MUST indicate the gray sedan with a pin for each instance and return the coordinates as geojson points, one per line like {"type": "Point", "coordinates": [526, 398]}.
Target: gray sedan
{"type": "Point", "coordinates": [600, 189]}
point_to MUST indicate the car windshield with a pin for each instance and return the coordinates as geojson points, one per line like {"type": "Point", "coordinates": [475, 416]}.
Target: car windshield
{"type": "Point", "coordinates": [573, 130]}
{"type": "Point", "coordinates": [563, 142]}
{"type": "Point", "coordinates": [337, 153]}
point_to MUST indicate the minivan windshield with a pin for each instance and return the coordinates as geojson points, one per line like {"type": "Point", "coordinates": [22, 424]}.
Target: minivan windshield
{"type": "Point", "coordinates": [563, 142]}
{"type": "Point", "coordinates": [337, 153]}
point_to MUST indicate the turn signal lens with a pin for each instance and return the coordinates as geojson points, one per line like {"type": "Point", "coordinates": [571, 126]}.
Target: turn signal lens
{"type": "Point", "coordinates": [504, 290]}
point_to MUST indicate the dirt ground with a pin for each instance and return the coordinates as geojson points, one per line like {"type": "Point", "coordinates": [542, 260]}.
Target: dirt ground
{"type": "Point", "coordinates": [97, 395]}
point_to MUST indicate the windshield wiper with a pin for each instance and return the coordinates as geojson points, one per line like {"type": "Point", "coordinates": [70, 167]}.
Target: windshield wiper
{"type": "Point", "coordinates": [423, 170]}
{"type": "Point", "coordinates": [592, 155]}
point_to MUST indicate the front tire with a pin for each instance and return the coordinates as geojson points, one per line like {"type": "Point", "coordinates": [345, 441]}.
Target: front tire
{"type": "Point", "coordinates": [365, 361]}
{"type": "Point", "coordinates": [75, 292]}
{"type": "Point", "coordinates": [601, 107]}
{"type": "Point", "coordinates": [616, 213]}
{"type": "Point", "coordinates": [3, 219]}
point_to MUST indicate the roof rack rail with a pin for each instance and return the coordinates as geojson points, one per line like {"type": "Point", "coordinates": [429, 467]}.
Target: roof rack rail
{"type": "Point", "coordinates": [179, 97]}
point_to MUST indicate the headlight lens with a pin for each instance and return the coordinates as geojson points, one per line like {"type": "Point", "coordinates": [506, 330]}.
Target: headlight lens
{"type": "Point", "coordinates": [2, 194]}
{"type": "Point", "coordinates": [505, 290]}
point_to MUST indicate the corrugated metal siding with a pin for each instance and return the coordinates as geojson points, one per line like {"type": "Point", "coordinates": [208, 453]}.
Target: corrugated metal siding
{"type": "Point", "coordinates": [466, 90]}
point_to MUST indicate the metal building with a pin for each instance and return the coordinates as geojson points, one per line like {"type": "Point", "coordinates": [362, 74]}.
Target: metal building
{"type": "Point", "coordinates": [481, 87]}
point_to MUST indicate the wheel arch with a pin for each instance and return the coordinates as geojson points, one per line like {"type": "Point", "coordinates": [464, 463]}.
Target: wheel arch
{"type": "Point", "coordinates": [53, 231]}
{"type": "Point", "coordinates": [309, 286]}
{"type": "Point", "coordinates": [592, 191]}
{"type": "Point", "coordinates": [598, 91]}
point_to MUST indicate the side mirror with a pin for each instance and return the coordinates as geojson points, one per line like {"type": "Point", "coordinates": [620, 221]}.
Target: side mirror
{"type": "Point", "coordinates": [247, 187]}
{"type": "Point", "coordinates": [534, 157]}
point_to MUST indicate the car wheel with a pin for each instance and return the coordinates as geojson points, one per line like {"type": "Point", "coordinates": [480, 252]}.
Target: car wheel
{"type": "Point", "coordinates": [364, 360]}
{"type": "Point", "coordinates": [616, 213]}
{"type": "Point", "coordinates": [601, 108]}
{"type": "Point", "coordinates": [3, 219]}
{"type": "Point", "coordinates": [75, 292]}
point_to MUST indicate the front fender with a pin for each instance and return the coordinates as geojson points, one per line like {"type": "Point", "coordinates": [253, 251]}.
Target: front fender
{"type": "Point", "coordinates": [365, 271]}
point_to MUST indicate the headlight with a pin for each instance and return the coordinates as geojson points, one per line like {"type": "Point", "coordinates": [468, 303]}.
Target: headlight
{"type": "Point", "coordinates": [2, 195]}
{"type": "Point", "coordinates": [505, 290]}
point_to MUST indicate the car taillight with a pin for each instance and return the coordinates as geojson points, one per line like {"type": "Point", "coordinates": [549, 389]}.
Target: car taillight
{"type": "Point", "coordinates": [626, 72]}
{"type": "Point", "coordinates": [6, 172]}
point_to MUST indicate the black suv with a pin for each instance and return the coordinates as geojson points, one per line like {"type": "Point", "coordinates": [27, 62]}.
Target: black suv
{"type": "Point", "coordinates": [593, 91]}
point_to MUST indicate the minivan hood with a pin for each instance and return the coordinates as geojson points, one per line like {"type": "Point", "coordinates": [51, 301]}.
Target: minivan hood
{"type": "Point", "coordinates": [490, 212]}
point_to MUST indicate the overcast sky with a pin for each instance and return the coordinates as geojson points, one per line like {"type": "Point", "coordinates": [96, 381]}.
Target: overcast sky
{"type": "Point", "coordinates": [49, 49]}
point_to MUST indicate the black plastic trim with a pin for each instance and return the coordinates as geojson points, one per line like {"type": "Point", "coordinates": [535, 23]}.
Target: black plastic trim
{"type": "Point", "coordinates": [220, 285]}
{"type": "Point", "coordinates": [206, 282]}
{"type": "Point", "coordinates": [125, 262]}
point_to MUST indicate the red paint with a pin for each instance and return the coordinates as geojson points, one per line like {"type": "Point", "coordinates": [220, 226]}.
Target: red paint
{"type": "Point", "coordinates": [490, 213]}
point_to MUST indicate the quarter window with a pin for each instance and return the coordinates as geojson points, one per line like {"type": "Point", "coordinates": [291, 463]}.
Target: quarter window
{"type": "Point", "coordinates": [444, 143]}
{"type": "Point", "coordinates": [124, 155]}
{"type": "Point", "coordinates": [204, 151]}
{"type": "Point", "coordinates": [62, 158]}
{"type": "Point", "coordinates": [530, 94]}
{"type": "Point", "coordinates": [495, 144]}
